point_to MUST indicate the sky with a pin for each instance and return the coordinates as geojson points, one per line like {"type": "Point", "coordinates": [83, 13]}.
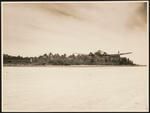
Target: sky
{"type": "Point", "coordinates": [32, 29]}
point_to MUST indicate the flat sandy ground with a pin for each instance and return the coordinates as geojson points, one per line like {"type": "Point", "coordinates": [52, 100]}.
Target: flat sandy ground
{"type": "Point", "coordinates": [75, 89]}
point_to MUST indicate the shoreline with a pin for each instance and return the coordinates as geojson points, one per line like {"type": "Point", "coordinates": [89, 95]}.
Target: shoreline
{"type": "Point", "coordinates": [32, 65]}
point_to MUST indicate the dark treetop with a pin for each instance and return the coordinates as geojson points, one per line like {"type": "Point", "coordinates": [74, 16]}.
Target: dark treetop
{"type": "Point", "coordinates": [97, 58]}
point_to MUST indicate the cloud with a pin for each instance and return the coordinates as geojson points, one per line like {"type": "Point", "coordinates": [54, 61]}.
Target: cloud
{"type": "Point", "coordinates": [138, 20]}
{"type": "Point", "coordinates": [143, 12]}
{"type": "Point", "coordinates": [57, 9]}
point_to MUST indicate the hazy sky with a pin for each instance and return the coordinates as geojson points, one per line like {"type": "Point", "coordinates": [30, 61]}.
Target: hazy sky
{"type": "Point", "coordinates": [32, 29]}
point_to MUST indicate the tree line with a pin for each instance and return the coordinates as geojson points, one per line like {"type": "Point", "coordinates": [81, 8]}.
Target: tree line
{"type": "Point", "coordinates": [97, 58]}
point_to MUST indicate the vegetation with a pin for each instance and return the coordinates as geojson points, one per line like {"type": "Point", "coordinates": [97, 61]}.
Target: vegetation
{"type": "Point", "coordinates": [97, 58]}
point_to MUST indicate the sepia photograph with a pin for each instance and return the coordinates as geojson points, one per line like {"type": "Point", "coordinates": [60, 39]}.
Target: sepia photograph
{"type": "Point", "coordinates": [77, 56]}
